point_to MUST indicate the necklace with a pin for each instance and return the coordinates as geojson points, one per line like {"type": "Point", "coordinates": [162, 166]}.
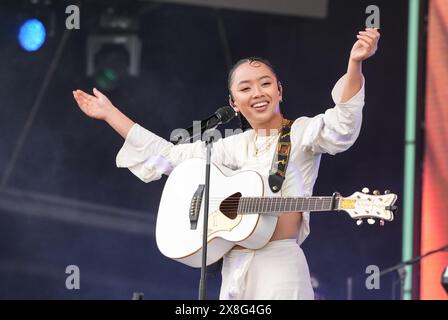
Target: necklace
{"type": "Point", "coordinates": [264, 145]}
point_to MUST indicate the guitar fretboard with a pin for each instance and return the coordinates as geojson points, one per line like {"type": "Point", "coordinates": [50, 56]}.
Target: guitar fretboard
{"type": "Point", "coordinates": [277, 205]}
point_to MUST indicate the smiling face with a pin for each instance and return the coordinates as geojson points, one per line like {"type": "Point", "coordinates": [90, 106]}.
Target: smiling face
{"type": "Point", "coordinates": [256, 95]}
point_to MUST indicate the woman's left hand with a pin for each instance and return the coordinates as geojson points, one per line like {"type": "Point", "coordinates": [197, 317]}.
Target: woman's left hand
{"type": "Point", "coordinates": [366, 45]}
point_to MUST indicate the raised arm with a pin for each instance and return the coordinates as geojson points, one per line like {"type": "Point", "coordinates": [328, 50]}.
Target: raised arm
{"type": "Point", "coordinates": [98, 106]}
{"type": "Point", "coordinates": [364, 47]}
{"type": "Point", "coordinates": [337, 129]}
{"type": "Point", "coordinates": [145, 154]}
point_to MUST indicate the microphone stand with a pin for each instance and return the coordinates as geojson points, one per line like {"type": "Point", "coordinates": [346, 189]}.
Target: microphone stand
{"type": "Point", "coordinates": [221, 116]}
{"type": "Point", "coordinates": [203, 280]}
{"type": "Point", "coordinates": [401, 270]}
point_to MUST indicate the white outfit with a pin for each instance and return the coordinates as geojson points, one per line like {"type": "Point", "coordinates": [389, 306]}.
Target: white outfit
{"type": "Point", "coordinates": [254, 274]}
{"type": "Point", "coordinates": [148, 157]}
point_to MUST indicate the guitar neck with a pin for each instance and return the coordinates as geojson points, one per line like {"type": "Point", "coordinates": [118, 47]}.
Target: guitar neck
{"type": "Point", "coordinates": [276, 205]}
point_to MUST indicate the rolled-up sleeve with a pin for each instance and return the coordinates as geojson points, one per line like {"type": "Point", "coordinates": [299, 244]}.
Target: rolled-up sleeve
{"type": "Point", "coordinates": [337, 129]}
{"type": "Point", "coordinates": [149, 156]}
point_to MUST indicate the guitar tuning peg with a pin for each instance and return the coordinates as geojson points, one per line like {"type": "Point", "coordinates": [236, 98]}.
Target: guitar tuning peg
{"type": "Point", "coordinates": [359, 222]}
{"type": "Point", "coordinates": [381, 222]}
{"type": "Point", "coordinates": [365, 190]}
{"type": "Point", "coordinates": [386, 191]}
{"type": "Point", "coordinates": [376, 192]}
{"type": "Point", "coordinates": [371, 221]}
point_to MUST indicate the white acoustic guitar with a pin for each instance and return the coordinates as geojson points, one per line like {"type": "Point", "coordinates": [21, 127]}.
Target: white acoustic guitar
{"type": "Point", "coordinates": [238, 212]}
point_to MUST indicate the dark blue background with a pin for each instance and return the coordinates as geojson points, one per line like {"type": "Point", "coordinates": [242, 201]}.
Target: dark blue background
{"type": "Point", "coordinates": [183, 77]}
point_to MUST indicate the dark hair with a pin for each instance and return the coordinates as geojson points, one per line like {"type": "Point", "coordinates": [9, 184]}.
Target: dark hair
{"type": "Point", "coordinates": [249, 60]}
{"type": "Point", "coordinates": [244, 124]}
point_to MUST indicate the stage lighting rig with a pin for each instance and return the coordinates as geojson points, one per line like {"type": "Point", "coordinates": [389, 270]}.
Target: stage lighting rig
{"type": "Point", "coordinates": [114, 50]}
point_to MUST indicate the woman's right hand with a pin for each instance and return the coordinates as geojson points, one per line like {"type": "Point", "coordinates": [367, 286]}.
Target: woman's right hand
{"type": "Point", "coordinates": [96, 106]}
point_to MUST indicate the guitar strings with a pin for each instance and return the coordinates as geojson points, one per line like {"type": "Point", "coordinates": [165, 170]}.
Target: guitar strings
{"type": "Point", "coordinates": [273, 199]}
{"type": "Point", "coordinates": [231, 203]}
{"type": "Point", "coordinates": [280, 200]}
{"type": "Point", "coordinates": [320, 202]}
{"type": "Point", "coordinates": [325, 203]}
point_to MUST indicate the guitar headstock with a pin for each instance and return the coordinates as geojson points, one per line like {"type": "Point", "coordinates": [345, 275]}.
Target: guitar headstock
{"type": "Point", "coordinates": [362, 205]}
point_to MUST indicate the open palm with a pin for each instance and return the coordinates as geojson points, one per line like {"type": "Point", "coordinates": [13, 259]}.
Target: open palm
{"type": "Point", "coordinates": [95, 106]}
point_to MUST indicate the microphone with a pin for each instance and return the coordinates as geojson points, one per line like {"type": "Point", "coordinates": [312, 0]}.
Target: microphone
{"type": "Point", "coordinates": [221, 116]}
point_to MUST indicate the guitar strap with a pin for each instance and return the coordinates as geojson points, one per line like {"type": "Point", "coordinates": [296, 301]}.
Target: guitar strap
{"type": "Point", "coordinates": [281, 157]}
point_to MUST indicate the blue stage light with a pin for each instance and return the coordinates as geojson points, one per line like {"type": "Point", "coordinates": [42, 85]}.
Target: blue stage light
{"type": "Point", "coordinates": [32, 35]}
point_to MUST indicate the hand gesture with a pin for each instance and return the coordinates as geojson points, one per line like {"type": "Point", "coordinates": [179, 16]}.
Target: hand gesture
{"type": "Point", "coordinates": [95, 106]}
{"type": "Point", "coordinates": [366, 45]}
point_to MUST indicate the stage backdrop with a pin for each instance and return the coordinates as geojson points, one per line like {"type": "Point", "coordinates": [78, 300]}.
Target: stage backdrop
{"type": "Point", "coordinates": [63, 201]}
{"type": "Point", "coordinates": [434, 233]}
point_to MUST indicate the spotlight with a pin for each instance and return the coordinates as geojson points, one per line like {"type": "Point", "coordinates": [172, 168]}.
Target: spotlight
{"type": "Point", "coordinates": [32, 35]}
{"type": "Point", "coordinates": [445, 279]}
{"type": "Point", "coordinates": [114, 51]}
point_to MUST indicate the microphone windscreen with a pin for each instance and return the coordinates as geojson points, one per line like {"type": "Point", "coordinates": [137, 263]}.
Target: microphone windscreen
{"type": "Point", "coordinates": [225, 114]}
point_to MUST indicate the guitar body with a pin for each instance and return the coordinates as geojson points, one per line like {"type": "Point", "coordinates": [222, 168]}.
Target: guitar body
{"type": "Point", "coordinates": [174, 235]}
{"type": "Point", "coordinates": [239, 214]}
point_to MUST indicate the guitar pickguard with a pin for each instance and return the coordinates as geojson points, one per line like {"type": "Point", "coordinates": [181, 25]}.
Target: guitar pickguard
{"type": "Point", "coordinates": [217, 221]}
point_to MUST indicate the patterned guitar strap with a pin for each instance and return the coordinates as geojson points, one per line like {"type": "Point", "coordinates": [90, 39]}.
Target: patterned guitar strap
{"type": "Point", "coordinates": [281, 157]}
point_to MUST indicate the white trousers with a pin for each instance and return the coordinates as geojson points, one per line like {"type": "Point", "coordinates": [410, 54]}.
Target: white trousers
{"type": "Point", "coordinates": [278, 271]}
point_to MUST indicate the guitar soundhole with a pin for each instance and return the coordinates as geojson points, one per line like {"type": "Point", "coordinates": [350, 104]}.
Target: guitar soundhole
{"type": "Point", "coordinates": [229, 207]}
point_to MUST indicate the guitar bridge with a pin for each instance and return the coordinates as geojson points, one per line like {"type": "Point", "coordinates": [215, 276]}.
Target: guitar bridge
{"type": "Point", "coordinates": [195, 206]}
